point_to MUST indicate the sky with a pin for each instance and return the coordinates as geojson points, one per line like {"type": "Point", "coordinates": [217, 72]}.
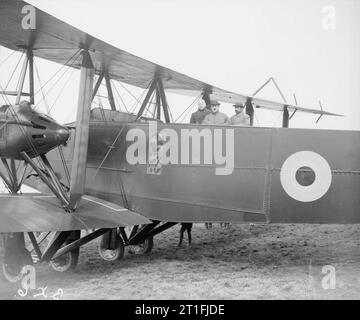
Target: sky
{"type": "Point", "coordinates": [310, 47]}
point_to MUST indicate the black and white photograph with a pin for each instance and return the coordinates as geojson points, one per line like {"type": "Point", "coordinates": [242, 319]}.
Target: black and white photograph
{"type": "Point", "coordinates": [166, 150]}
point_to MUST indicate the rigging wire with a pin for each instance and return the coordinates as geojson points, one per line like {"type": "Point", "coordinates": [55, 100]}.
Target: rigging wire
{"type": "Point", "coordinates": [58, 80]}
{"type": "Point", "coordinates": [112, 146]}
{"type": "Point", "coordinates": [14, 71]}
{"type": "Point", "coordinates": [53, 76]}
{"type": "Point", "coordinates": [130, 93]}
{"type": "Point", "coordinates": [67, 81]}
{"type": "Point", "coordinates": [8, 57]}
{"type": "Point", "coordinates": [192, 103]}
{"type": "Point", "coordinates": [116, 90]}
{"type": "Point", "coordinates": [42, 92]}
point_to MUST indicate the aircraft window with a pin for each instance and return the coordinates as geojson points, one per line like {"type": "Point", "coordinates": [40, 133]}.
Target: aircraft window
{"type": "Point", "coordinates": [38, 136]}
{"type": "Point", "coordinates": [37, 126]}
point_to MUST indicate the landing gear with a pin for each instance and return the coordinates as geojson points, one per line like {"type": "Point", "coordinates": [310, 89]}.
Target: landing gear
{"type": "Point", "coordinates": [68, 261]}
{"type": "Point", "coordinates": [111, 246]}
{"type": "Point", "coordinates": [146, 246]}
{"type": "Point", "coordinates": [142, 248]}
{"type": "Point", "coordinates": [16, 256]}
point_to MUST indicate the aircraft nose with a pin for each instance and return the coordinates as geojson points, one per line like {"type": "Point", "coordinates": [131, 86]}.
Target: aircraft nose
{"type": "Point", "coordinates": [62, 135]}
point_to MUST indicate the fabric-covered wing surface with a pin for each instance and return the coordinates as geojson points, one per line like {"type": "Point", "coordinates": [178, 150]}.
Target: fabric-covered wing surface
{"type": "Point", "coordinates": [37, 212]}
{"type": "Point", "coordinates": [57, 41]}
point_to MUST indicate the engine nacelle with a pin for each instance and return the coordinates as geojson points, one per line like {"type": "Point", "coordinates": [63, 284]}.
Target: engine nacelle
{"type": "Point", "coordinates": [23, 129]}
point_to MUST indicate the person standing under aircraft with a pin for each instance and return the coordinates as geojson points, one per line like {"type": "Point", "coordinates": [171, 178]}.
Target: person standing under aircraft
{"type": "Point", "coordinates": [208, 225]}
{"type": "Point", "coordinates": [240, 118]}
{"type": "Point", "coordinates": [215, 117]}
{"type": "Point", "coordinates": [198, 116]}
{"type": "Point", "coordinates": [187, 227]}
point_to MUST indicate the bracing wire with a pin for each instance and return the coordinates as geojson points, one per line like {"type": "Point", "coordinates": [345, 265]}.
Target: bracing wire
{"type": "Point", "coordinates": [116, 90]}
{"type": "Point", "coordinates": [53, 76]}
{"type": "Point", "coordinates": [57, 81]}
{"type": "Point", "coordinates": [186, 111]}
{"type": "Point", "coordinates": [12, 75]}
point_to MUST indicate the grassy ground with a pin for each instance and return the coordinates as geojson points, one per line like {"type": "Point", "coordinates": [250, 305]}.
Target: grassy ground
{"type": "Point", "coordinates": [243, 262]}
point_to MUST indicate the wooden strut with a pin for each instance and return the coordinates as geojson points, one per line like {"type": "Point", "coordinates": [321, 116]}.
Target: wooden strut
{"type": "Point", "coordinates": [285, 122]}
{"type": "Point", "coordinates": [156, 84]}
{"type": "Point", "coordinates": [30, 57]}
{"type": "Point", "coordinates": [22, 80]}
{"type": "Point", "coordinates": [77, 243]}
{"type": "Point", "coordinates": [97, 85]}
{"type": "Point", "coordinates": [54, 179]}
{"type": "Point", "coordinates": [7, 182]}
{"type": "Point", "coordinates": [44, 178]}
{"type": "Point", "coordinates": [142, 234]}
{"type": "Point", "coordinates": [163, 101]}
{"type": "Point", "coordinates": [11, 183]}
{"type": "Point", "coordinates": [57, 241]}
{"type": "Point", "coordinates": [78, 167]}
{"type": "Point", "coordinates": [35, 244]}
{"type": "Point", "coordinates": [147, 231]}
{"type": "Point", "coordinates": [158, 104]}
{"type": "Point", "coordinates": [147, 98]}
{"type": "Point", "coordinates": [249, 109]}
{"type": "Point", "coordinates": [110, 92]}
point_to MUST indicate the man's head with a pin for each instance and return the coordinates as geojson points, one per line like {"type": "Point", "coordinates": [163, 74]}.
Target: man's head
{"type": "Point", "coordinates": [239, 107]}
{"type": "Point", "coordinates": [201, 105]}
{"type": "Point", "coordinates": [214, 106]}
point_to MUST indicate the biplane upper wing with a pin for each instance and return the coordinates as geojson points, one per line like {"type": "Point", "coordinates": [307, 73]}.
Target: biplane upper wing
{"type": "Point", "coordinates": [230, 97]}
{"type": "Point", "coordinates": [57, 41]}
{"type": "Point", "coordinates": [41, 212]}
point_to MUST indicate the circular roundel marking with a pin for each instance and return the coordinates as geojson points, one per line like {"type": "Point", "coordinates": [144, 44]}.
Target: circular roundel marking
{"type": "Point", "coordinates": [301, 192]}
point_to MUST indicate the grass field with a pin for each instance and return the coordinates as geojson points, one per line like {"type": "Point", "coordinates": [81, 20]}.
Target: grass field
{"type": "Point", "coordinates": [243, 262]}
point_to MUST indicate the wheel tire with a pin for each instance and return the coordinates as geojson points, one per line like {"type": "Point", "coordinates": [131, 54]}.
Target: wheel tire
{"type": "Point", "coordinates": [13, 272]}
{"type": "Point", "coordinates": [147, 245]}
{"type": "Point", "coordinates": [112, 254]}
{"type": "Point", "coordinates": [66, 262]}
{"type": "Point", "coordinates": [10, 274]}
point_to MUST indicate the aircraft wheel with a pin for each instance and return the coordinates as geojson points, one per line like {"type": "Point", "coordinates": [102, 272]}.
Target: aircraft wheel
{"type": "Point", "coordinates": [145, 247]}
{"type": "Point", "coordinates": [12, 273]}
{"type": "Point", "coordinates": [66, 262]}
{"type": "Point", "coordinates": [112, 254]}
{"type": "Point", "coordinates": [15, 257]}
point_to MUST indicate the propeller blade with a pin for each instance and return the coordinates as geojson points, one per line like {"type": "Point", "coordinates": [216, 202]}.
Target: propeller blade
{"type": "Point", "coordinates": [78, 167]}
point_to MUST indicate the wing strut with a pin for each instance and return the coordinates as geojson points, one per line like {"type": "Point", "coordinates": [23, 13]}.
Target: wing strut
{"type": "Point", "coordinates": [78, 168]}
{"type": "Point", "coordinates": [110, 92]}
{"type": "Point", "coordinates": [157, 86]}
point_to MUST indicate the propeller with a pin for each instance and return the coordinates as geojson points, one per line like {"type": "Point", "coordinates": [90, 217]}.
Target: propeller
{"type": "Point", "coordinates": [78, 167]}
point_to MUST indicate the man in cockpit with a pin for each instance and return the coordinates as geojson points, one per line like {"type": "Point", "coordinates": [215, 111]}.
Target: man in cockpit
{"type": "Point", "coordinates": [198, 116]}
{"type": "Point", "coordinates": [215, 117]}
{"type": "Point", "coordinates": [240, 118]}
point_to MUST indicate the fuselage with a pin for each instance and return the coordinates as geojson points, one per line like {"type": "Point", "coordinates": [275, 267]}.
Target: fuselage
{"type": "Point", "coordinates": [193, 188]}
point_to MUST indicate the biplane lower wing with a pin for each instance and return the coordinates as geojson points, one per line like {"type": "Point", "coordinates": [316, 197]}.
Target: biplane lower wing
{"type": "Point", "coordinates": [40, 212]}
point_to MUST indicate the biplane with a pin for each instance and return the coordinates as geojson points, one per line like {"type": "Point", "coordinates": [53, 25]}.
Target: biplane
{"type": "Point", "coordinates": [110, 169]}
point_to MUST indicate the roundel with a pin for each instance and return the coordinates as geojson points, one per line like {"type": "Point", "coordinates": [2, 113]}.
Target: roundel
{"type": "Point", "coordinates": [305, 192]}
